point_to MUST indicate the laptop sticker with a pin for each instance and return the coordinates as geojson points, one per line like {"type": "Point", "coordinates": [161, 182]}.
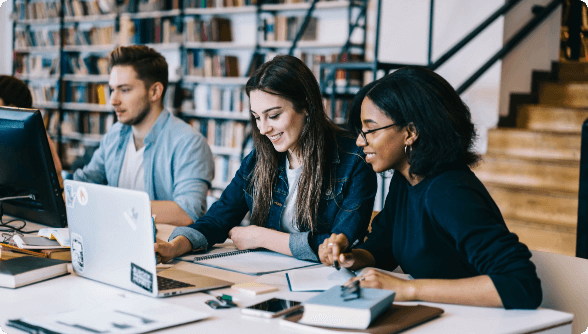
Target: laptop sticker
{"type": "Point", "coordinates": [77, 252]}
{"type": "Point", "coordinates": [82, 195]}
{"type": "Point", "coordinates": [70, 196]}
{"type": "Point", "coordinates": [141, 277]}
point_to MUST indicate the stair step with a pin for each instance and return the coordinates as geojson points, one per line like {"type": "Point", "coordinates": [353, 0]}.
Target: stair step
{"type": "Point", "coordinates": [529, 174]}
{"type": "Point", "coordinates": [545, 237]}
{"type": "Point", "coordinates": [571, 94]}
{"type": "Point", "coordinates": [555, 208]}
{"type": "Point", "coordinates": [573, 71]}
{"type": "Point", "coordinates": [550, 118]}
{"type": "Point", "coordinates": [533, 144]}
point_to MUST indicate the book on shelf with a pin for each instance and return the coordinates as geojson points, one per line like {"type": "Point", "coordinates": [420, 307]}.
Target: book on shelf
{"type": "Point", "coordinates": [220, 98]}
{"type": "Point", "coordinates": [225, 168]}
{"type": "Point", "coordinates": [44, 92]}
{"type": "Point", "coordinates": [150, 30]}
{"type": "Point", "coordinates": [218, 3]}
{"type": "Point", "coordinates": [332, 309]}
{"type": "Point", "coordinates": [87, 92]}
{"type": "Point", "coordinates": [38, 37]}
{"type": "Point", "coordinates": [103, 35]}
{"type": "Point", "coordinates": [217, 29]}
{"type": "Point", "coordinates": [395, 320]}
{"type": "Point", "coordinates": [37, 10]}
{"type": "Point", "coordinates": [281, 28]}
{"type": "Point", "coordinates": [26, 270]}
{"type": "Point", "coordinates": [86, 65]}
{"type": "Point", "coordinates": [79, 8]}
{"type": "Point", "coordinates": [36, 65]}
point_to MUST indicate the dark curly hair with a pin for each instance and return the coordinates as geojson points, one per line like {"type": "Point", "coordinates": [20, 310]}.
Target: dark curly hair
{"type": "Point", "coordinates": [15, 92]}
{"type": "Point", "coordinates": [421, 97]}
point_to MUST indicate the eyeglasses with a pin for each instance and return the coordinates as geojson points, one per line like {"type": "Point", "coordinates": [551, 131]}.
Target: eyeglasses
{"type": "Point", "coordinates": [364, 134]}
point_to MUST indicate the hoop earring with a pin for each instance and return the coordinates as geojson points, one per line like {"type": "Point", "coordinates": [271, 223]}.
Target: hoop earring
{"type": "Point", "coordinates": [307, 119]}
{"type": "Point", "coordinates": [408, 150]}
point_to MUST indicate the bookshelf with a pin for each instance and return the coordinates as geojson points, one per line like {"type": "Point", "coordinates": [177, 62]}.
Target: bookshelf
{"type": "Point", "coordinates": [60, 49]}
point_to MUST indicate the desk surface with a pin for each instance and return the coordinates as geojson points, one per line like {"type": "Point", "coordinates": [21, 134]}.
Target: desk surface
{"type": "Point", "coordinates": [72, 292]}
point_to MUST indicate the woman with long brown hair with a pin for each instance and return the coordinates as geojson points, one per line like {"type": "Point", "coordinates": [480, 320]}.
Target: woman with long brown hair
{"type": "Point", "coordinates": [305, 179]}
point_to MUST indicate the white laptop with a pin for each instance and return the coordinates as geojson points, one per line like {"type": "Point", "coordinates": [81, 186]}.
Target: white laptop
{"type": "Point", "coordinates": [112, 237]}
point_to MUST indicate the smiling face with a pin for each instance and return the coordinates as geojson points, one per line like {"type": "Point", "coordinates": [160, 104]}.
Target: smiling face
{"type": "Point", "coordinates": [276, 119]}
{"type": "Point", "coordinates": [129, 96]}
{"type": "Point", "coordinates": [384, 148]}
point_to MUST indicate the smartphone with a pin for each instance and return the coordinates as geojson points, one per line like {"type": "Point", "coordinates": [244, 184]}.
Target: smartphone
{"type": "Point", "coordinates": [272, 308]}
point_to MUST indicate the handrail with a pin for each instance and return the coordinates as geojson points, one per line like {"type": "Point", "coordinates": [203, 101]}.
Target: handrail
{"type": "Point", "coordinates": [511, 44]}
{"type": "Point", "coordinates": [507, 47]}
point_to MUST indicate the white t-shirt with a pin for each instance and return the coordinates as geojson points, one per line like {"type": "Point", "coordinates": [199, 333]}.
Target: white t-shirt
{"type": "Point", "coordinates": [132, 173]}
{"type": "Point", "coordinates": [287, 223]}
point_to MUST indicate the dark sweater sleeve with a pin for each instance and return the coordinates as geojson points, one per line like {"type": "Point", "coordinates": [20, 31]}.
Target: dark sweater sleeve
{"type": "Point", "coordinates": [462, 207]}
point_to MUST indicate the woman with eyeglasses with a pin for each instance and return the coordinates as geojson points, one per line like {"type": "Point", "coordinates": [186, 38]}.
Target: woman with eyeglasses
{"type": "Point", "coordinates": [305, 179]}
{"type": "Point", "coordinates": [439, 223]}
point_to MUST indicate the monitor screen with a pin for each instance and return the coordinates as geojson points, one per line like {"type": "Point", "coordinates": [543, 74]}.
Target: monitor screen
{"type": "Point", "coordinates": [26, 167]}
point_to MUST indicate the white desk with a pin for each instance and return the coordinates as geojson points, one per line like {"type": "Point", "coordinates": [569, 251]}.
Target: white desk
{"type": "Point", "coordinates": [72, 292]}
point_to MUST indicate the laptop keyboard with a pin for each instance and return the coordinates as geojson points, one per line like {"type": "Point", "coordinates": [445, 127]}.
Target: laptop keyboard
{"type": "Point", "coordinates": [164, 283]}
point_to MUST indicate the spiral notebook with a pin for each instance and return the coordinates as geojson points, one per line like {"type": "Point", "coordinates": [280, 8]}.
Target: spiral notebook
{"type": "Point", "coordinates": [250, 262]}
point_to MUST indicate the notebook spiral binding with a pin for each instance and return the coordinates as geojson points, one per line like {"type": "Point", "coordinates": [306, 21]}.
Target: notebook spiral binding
{"type": "Point", "coordinates": [216, 256]}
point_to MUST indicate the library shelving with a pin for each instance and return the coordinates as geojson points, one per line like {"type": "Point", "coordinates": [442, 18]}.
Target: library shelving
{"type": "Point", "coordinates": [211, 48]}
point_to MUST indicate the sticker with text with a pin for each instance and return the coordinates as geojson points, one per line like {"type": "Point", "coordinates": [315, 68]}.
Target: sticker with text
{"type": "Point", "coordinates": [82, 195]}
{"type": "Point", "coordinates": [77, 252]}
{"type": "Point", "coordinates": [70, 196]}
{"type": "Point", "coordinates": [141, 277]}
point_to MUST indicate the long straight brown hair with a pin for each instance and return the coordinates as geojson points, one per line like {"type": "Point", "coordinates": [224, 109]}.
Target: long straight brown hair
{"type": "Point", "coordinates": [289, 78]}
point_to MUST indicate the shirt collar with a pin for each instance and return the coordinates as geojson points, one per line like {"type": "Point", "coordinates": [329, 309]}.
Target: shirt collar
{"type": "Point", "coordinates": [152, 135]}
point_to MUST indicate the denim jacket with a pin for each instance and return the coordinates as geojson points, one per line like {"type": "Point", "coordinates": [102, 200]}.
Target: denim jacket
{"type": "Point", "coordinates": [177, 162]}
{"type": "Point", "coordinates": [346, 209]}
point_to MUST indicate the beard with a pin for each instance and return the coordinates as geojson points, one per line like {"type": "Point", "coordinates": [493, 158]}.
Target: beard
{"type": "Point", "coordinates": [139, 118]}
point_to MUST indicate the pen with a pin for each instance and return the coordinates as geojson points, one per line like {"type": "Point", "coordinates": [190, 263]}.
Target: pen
{"type": "Point", "coordinates": [336, 265]}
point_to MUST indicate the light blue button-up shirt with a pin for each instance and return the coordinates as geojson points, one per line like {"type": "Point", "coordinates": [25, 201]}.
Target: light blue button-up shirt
{"type": "Point", "coordinates": [177, 162]}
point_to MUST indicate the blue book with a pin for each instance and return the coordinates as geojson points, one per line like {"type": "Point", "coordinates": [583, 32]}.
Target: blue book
{"type": "Point", "coordinates": [329, 309]}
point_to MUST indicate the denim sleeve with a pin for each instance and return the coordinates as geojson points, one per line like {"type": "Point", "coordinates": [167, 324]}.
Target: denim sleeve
{"type": "Point", "coordinates": [197, 239]}
{"type": "Point", "coordinates": [225, 213]}
{"type": "Point", "coordinates": [94, 171]}
{"type": "Point", "coordinates": [352, 217]}
{"type": "Point", "coordinates": [193, 169]}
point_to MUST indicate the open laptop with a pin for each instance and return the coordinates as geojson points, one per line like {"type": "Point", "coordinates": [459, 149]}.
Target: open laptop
{"type": "Point", "coordinates": [112, 237]}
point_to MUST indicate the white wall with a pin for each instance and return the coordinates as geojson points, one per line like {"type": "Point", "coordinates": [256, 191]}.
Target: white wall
{"type": "Point", "coordinates": [537, 51]}
{"type": "Point", "coordinates": [404, 32]}
{"type": "Point", "coordinates": [5, 38]}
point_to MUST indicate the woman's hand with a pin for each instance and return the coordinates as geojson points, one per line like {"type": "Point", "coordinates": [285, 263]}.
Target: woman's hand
{"type": "Point", "coordinates": [333, 249]}
{"type": "Point", "coordinates": [168, 250]}
{"type": "Point", "coordinates": [246, 237]}
{"type": "Point", "coordinates": [373, 278]}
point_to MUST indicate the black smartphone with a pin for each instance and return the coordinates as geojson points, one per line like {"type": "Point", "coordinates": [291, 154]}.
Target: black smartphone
{"type": "Point", "coordinates": [272, 308]}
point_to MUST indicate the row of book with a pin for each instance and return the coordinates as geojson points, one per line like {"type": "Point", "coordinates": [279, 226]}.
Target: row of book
{"type": "Point", "coordinates": [37, 37]}
{"type": "Point", "coordinates": [104, 35]}
{"type": "Point", "coordinates": [44, 92]}
{"type": "Point", "coordinates": [218, 3]}
{"type": "Point", "coordinates": [222, 133]}
{"type": "Point", "coordinates": [208, 64]}
{"type": "Point", "coordinates": [217, 29]}
{"type": "Point", "coordinates": [341, 112]}
{"type": "Point", "coordinates": [37, 10]}
{"type": "Point", "coordinates": [137, 6]}
{"type": "Point", "coordinates": [36, 65]}
{"type": "Point", "coordinates": [87, 92]}
{"type": "Point", "coordinates": [216, 98]}
{"type": "Point", "coordinates": [150, 30]}
{"type": "Point", "coordinates": [85, 122]}
{"type": "Point", "coordinates": [285, 28]}
{"type": "Point", "coordinates": [84, 65]}
{"type": "Point", "coordinates": [80, 8]}
{"type": "Point", "coordinates": [342, 77]}
{"type": "Point", "coordinates": [225, 168]}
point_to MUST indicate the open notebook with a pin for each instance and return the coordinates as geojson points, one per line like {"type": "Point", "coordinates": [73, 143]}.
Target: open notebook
{"type": "Point", "coordinates": [249, 262]}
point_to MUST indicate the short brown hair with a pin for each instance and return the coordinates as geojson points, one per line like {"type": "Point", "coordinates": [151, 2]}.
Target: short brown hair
{"type": "Point", "coordinates": [149, 64]}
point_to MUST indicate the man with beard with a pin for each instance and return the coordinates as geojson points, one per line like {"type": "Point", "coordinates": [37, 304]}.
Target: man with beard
{"type": "Point", "coordinates": [149, 149]}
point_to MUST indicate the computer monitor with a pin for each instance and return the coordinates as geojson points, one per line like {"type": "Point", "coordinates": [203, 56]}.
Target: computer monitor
{"type": "Point", "coordinates": [26, 167]}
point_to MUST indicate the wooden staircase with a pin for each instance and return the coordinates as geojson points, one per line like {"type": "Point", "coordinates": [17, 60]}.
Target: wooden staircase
{"type": "Point", "coordinates": [532, 169]}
